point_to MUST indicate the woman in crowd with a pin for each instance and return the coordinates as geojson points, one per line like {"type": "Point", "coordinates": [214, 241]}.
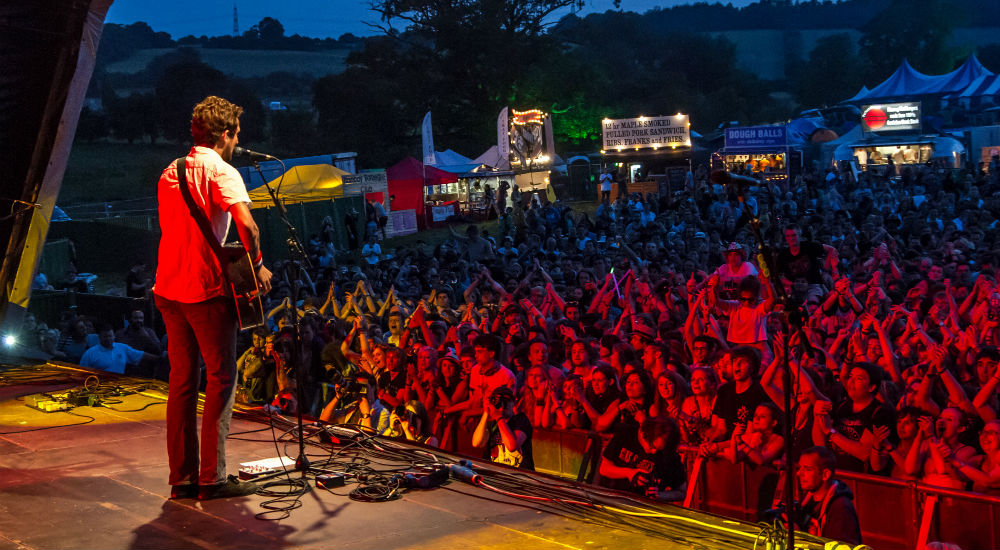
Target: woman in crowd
{"type": "Point", "coordinates": [934, 444]}
{"type": "Point", "coordinates": [570, 412]}
{"type": "Point", "coordinates": [632, 407]}
{"type": "Point", "coordinates": [602, 392]}
{"type": "Point", "coordinates": [696, 412]}
{"type": "Point", "coordinates": [670, 393]}
{"type": "Point", "coordinates": [538, 397]}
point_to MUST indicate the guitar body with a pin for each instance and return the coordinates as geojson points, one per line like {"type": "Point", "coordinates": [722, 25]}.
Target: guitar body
{"type": "Point", "coordinates": [244, 287]}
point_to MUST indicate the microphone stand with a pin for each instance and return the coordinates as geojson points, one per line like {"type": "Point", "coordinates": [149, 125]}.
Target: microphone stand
{"type": "Point", "coordinates": [766, 256]}
{"type": "Point", "coordinates": [298, 258]}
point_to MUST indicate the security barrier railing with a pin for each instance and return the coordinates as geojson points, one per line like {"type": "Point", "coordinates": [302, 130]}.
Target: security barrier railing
{"type": "Point", "coordinates": [894, 513]}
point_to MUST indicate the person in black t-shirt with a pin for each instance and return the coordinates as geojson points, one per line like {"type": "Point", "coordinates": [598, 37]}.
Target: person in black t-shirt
{"type": "Point", "coordinates": [505, 434]}
{"type": "Point", "coordinates": [644, 460]}
{"type": "Point", "coordinates": [805, 260]}
{"type": "Point", "coordinates": [137, 281]}
{"type": "Point", "coordinates": [736, 400]}
{"type": "Point", "coordinates": [848, 427]}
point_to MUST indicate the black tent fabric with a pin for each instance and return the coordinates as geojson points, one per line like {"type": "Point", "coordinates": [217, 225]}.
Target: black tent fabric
{"type": "Point", "coordinates": [48, 49]}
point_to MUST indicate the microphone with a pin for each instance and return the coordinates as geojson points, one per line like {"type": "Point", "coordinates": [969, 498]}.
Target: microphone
{"type": "Point", "coordinates": [252, 155]}
{"type": "Point", "coordinates": [723, 177]}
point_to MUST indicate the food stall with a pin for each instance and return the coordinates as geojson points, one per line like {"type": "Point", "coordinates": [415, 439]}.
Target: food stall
{"type": "Point", "coordinates": [762, 151]}
{"type": "Point", "coordinates": [470, 190]}
{"type": "Point", "coordinates": [891, 137]}
{"type": "Point", "coordinates": [651, 154]}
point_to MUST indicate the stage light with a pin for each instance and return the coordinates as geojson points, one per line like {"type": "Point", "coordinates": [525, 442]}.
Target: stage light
{"type": "Point", "coordinates": [9, 340]}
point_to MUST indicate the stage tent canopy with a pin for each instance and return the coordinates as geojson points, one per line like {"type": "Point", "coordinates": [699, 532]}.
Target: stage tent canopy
{"type": "Point", "coordinates": [302, 184]}
{"type": "Point", "coordinates": [407, 179]}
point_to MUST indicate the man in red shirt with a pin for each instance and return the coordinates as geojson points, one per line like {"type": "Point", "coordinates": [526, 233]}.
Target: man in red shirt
{"type": "Point", "coordinates": [190, 292]}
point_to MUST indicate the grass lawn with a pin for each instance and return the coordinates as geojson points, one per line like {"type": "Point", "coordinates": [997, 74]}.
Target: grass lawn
{"type": "Point", "coordinates": [103, 171]}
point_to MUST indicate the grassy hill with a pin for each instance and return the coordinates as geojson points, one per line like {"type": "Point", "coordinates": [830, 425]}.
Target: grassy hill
{"type": "Point", "coordinates": [247, 63]}
{"type": "Point", "coordinates": [108, 171]}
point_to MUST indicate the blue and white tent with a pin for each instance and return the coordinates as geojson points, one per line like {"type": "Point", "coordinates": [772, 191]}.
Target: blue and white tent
{"type": "Point", "coordinates": [985, 86]}
{"type": "Point", "coordinates": [862, 93]}
{"type": "Point", "coordinates": [906, 81]}
{"type": "Point", "coordinates": [959, 79]}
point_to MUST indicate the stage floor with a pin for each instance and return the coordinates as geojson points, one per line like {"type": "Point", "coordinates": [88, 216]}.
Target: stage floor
{"type": "Point", "coordinates": [70, 482]}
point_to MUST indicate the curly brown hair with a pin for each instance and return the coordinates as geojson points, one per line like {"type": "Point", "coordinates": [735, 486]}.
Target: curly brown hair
{"type": "Point", "coordinates": [211, 118]}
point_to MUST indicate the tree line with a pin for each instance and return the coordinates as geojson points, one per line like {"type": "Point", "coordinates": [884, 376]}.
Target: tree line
{"type": "Point", "coordinates": [467, 59]}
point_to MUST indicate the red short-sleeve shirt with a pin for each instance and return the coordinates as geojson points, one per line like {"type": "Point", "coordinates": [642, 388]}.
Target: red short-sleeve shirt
{"type": "Point", "coordinates": [187, 269]}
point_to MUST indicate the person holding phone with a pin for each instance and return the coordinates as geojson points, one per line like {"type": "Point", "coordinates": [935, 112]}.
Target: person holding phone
{"type": "Point", "coordinates": [505, 434]}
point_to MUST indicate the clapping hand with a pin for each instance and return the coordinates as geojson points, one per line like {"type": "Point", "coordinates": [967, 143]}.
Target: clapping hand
{"type": "Point", "coordinates": [739, 429]}
{"type": "Point", "coordinates": [842, 285]}
{"type": "Point", "coordinates": [926, 424]}
{"type": "Point", "coordinates": [879, 436]}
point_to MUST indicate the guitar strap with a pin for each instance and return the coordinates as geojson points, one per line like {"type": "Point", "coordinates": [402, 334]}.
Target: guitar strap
{"type": "Point", "coordinates": [198, 214]}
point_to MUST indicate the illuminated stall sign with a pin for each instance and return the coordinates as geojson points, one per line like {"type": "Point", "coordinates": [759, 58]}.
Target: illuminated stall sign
{"type": "Point", "coordinates": [891, 117]}
{"type": "Point", "coordinates": [756, 137]}
{"type": "Point", "coordinates": [530, 139]}
{"type": "Point", "coordinates": [661, 132]}
{"type": "Point", "coordinates": [366, 182]}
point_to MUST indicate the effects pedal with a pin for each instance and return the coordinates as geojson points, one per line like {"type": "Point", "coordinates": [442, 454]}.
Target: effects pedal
{"type": "Point", "coordinates": [331, 481]}
{"type": "Point", "coordinates": [261, 468]}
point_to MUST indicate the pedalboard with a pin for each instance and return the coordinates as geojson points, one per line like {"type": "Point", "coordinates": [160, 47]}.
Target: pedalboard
{"type": "Point", "coordinates": [68, 399]}
{"type": "Point", "coordinates": [265, 467]}
{"type": "Point", "coordinates": [47, 403]}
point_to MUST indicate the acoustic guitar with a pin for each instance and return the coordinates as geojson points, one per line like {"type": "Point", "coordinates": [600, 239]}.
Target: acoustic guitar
{"type": "Point", "coordinates": [243, 286]}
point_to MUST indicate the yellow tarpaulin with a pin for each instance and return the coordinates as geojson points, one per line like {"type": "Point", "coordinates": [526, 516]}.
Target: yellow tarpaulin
{"type": "Point", "coordinates": [302, 184]}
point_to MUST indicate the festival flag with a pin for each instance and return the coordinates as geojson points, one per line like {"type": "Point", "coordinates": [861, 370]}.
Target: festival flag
{"type": "Point", "coordinates": [503, 136]}
{"type": "Point", "coordinates": [427, 139]}
{"type": "Point", "coordinates": [550, 144]}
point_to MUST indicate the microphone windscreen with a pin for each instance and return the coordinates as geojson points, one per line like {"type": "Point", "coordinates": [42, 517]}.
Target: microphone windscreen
{"type": "Point", "coordinates": [720, 177]}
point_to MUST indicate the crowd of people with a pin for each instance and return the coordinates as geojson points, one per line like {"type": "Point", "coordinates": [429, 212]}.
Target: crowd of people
{"type": "Point", "coordinates": [665, 322]}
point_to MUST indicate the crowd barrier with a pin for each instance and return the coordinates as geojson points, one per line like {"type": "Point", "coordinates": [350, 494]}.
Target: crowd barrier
{"type": "Point", "coordinates": [894, 513]}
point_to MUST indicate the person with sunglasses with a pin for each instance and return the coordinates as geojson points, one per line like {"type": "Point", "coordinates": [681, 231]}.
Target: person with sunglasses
{"type": "Point", "coordinates": [748, 313]}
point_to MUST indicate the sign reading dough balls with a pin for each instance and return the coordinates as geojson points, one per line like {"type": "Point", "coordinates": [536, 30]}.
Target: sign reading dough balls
{"type": "Point", "coordinates": [891, 117]}
{"type": "Point", "coordinates": [661, 132]}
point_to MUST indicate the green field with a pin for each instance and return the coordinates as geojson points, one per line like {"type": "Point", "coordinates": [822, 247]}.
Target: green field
{"type": "Point", "coordinates": [107, 171]}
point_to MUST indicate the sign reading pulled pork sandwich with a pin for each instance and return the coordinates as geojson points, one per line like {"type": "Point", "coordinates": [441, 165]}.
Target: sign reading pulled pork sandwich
{"type": "Point", "coordinates": [661, 132]}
